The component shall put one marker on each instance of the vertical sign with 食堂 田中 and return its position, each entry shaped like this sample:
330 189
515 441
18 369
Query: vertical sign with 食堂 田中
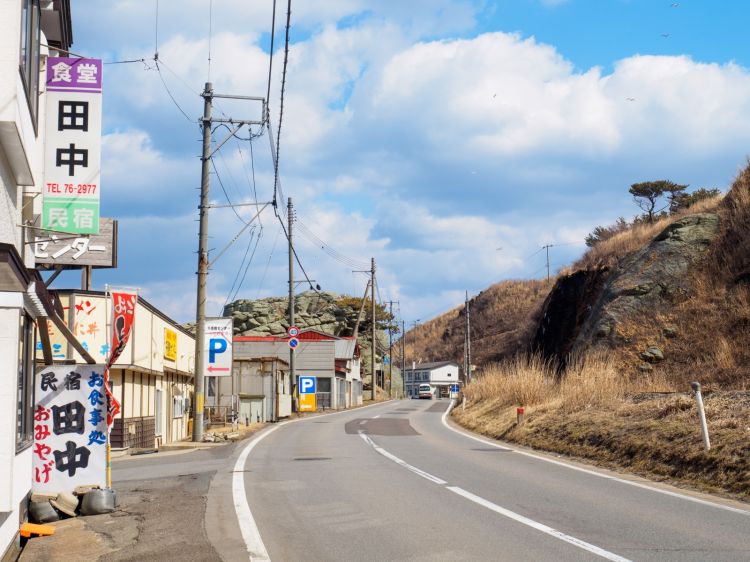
72 151
307 390
70 428
217 350
170 344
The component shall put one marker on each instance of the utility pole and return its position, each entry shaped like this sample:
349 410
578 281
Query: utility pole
468 340
200 327
290 222
547 247
203 264
390 350
372 354
403 358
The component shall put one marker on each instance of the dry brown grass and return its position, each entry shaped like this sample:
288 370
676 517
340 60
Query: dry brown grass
589 381
609 252
634 424
502 317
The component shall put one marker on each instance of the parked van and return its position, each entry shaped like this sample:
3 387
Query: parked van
425 391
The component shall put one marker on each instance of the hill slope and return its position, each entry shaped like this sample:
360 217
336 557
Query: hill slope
619 338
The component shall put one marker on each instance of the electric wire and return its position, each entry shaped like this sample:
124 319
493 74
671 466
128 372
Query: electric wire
270 58
351 263
210 34
268 263
223 189
169 93
296 257
281 99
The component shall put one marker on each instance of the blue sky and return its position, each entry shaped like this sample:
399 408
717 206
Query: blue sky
427 134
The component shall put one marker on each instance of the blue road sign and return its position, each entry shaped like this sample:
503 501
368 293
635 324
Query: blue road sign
293 342
307 385
454 388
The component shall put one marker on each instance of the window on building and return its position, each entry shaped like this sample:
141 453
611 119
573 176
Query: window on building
29 59
178 407
25 391
323 384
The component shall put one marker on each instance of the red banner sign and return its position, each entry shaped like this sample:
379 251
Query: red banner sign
123 316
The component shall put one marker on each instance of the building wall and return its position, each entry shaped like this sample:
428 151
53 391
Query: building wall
15 466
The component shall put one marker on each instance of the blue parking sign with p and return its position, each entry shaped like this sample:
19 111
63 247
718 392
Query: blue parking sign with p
307 385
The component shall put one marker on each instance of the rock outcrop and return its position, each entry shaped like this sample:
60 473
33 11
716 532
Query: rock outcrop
586 309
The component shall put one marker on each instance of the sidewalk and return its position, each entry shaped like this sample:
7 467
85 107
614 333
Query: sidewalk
156 518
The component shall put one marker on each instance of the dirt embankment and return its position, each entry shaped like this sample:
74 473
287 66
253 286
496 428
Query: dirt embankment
619 339
658 437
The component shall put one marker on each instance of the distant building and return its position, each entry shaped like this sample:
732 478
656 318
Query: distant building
440 375
258 390
334 361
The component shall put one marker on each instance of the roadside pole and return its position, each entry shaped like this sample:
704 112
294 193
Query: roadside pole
696 386
234 125
200 314
403 358
290 222
372 353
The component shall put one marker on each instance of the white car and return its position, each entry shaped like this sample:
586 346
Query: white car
425 391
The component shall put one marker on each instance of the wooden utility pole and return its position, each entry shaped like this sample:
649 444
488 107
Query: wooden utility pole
203 264
390 349
468 340
372 354
290 222
547 247
200 327
403 358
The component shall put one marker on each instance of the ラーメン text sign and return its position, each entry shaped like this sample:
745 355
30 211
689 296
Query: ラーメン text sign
217 347
72 151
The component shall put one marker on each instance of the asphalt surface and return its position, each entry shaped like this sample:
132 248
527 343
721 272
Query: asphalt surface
392 482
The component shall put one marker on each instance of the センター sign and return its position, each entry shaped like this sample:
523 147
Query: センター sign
72 251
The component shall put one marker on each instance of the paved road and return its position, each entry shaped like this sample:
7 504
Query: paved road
393 482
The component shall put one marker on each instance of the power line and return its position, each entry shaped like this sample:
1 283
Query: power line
268 263
270 55
223 189
338 256
169 93
281 102
296 257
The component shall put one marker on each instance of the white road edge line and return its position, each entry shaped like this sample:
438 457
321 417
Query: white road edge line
494 507
592 472
401 462
538 526
250 534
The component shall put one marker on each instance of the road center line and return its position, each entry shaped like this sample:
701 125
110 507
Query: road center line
494 507
401 462
590 472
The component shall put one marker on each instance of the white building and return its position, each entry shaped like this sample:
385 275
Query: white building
25 26
441 376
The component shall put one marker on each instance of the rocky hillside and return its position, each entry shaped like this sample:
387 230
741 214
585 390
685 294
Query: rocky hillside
325 311
670 297
320 311
503 319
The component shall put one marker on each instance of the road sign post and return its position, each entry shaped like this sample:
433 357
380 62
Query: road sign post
307 388
217 352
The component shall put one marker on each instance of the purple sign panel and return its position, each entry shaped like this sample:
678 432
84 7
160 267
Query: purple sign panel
68 74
